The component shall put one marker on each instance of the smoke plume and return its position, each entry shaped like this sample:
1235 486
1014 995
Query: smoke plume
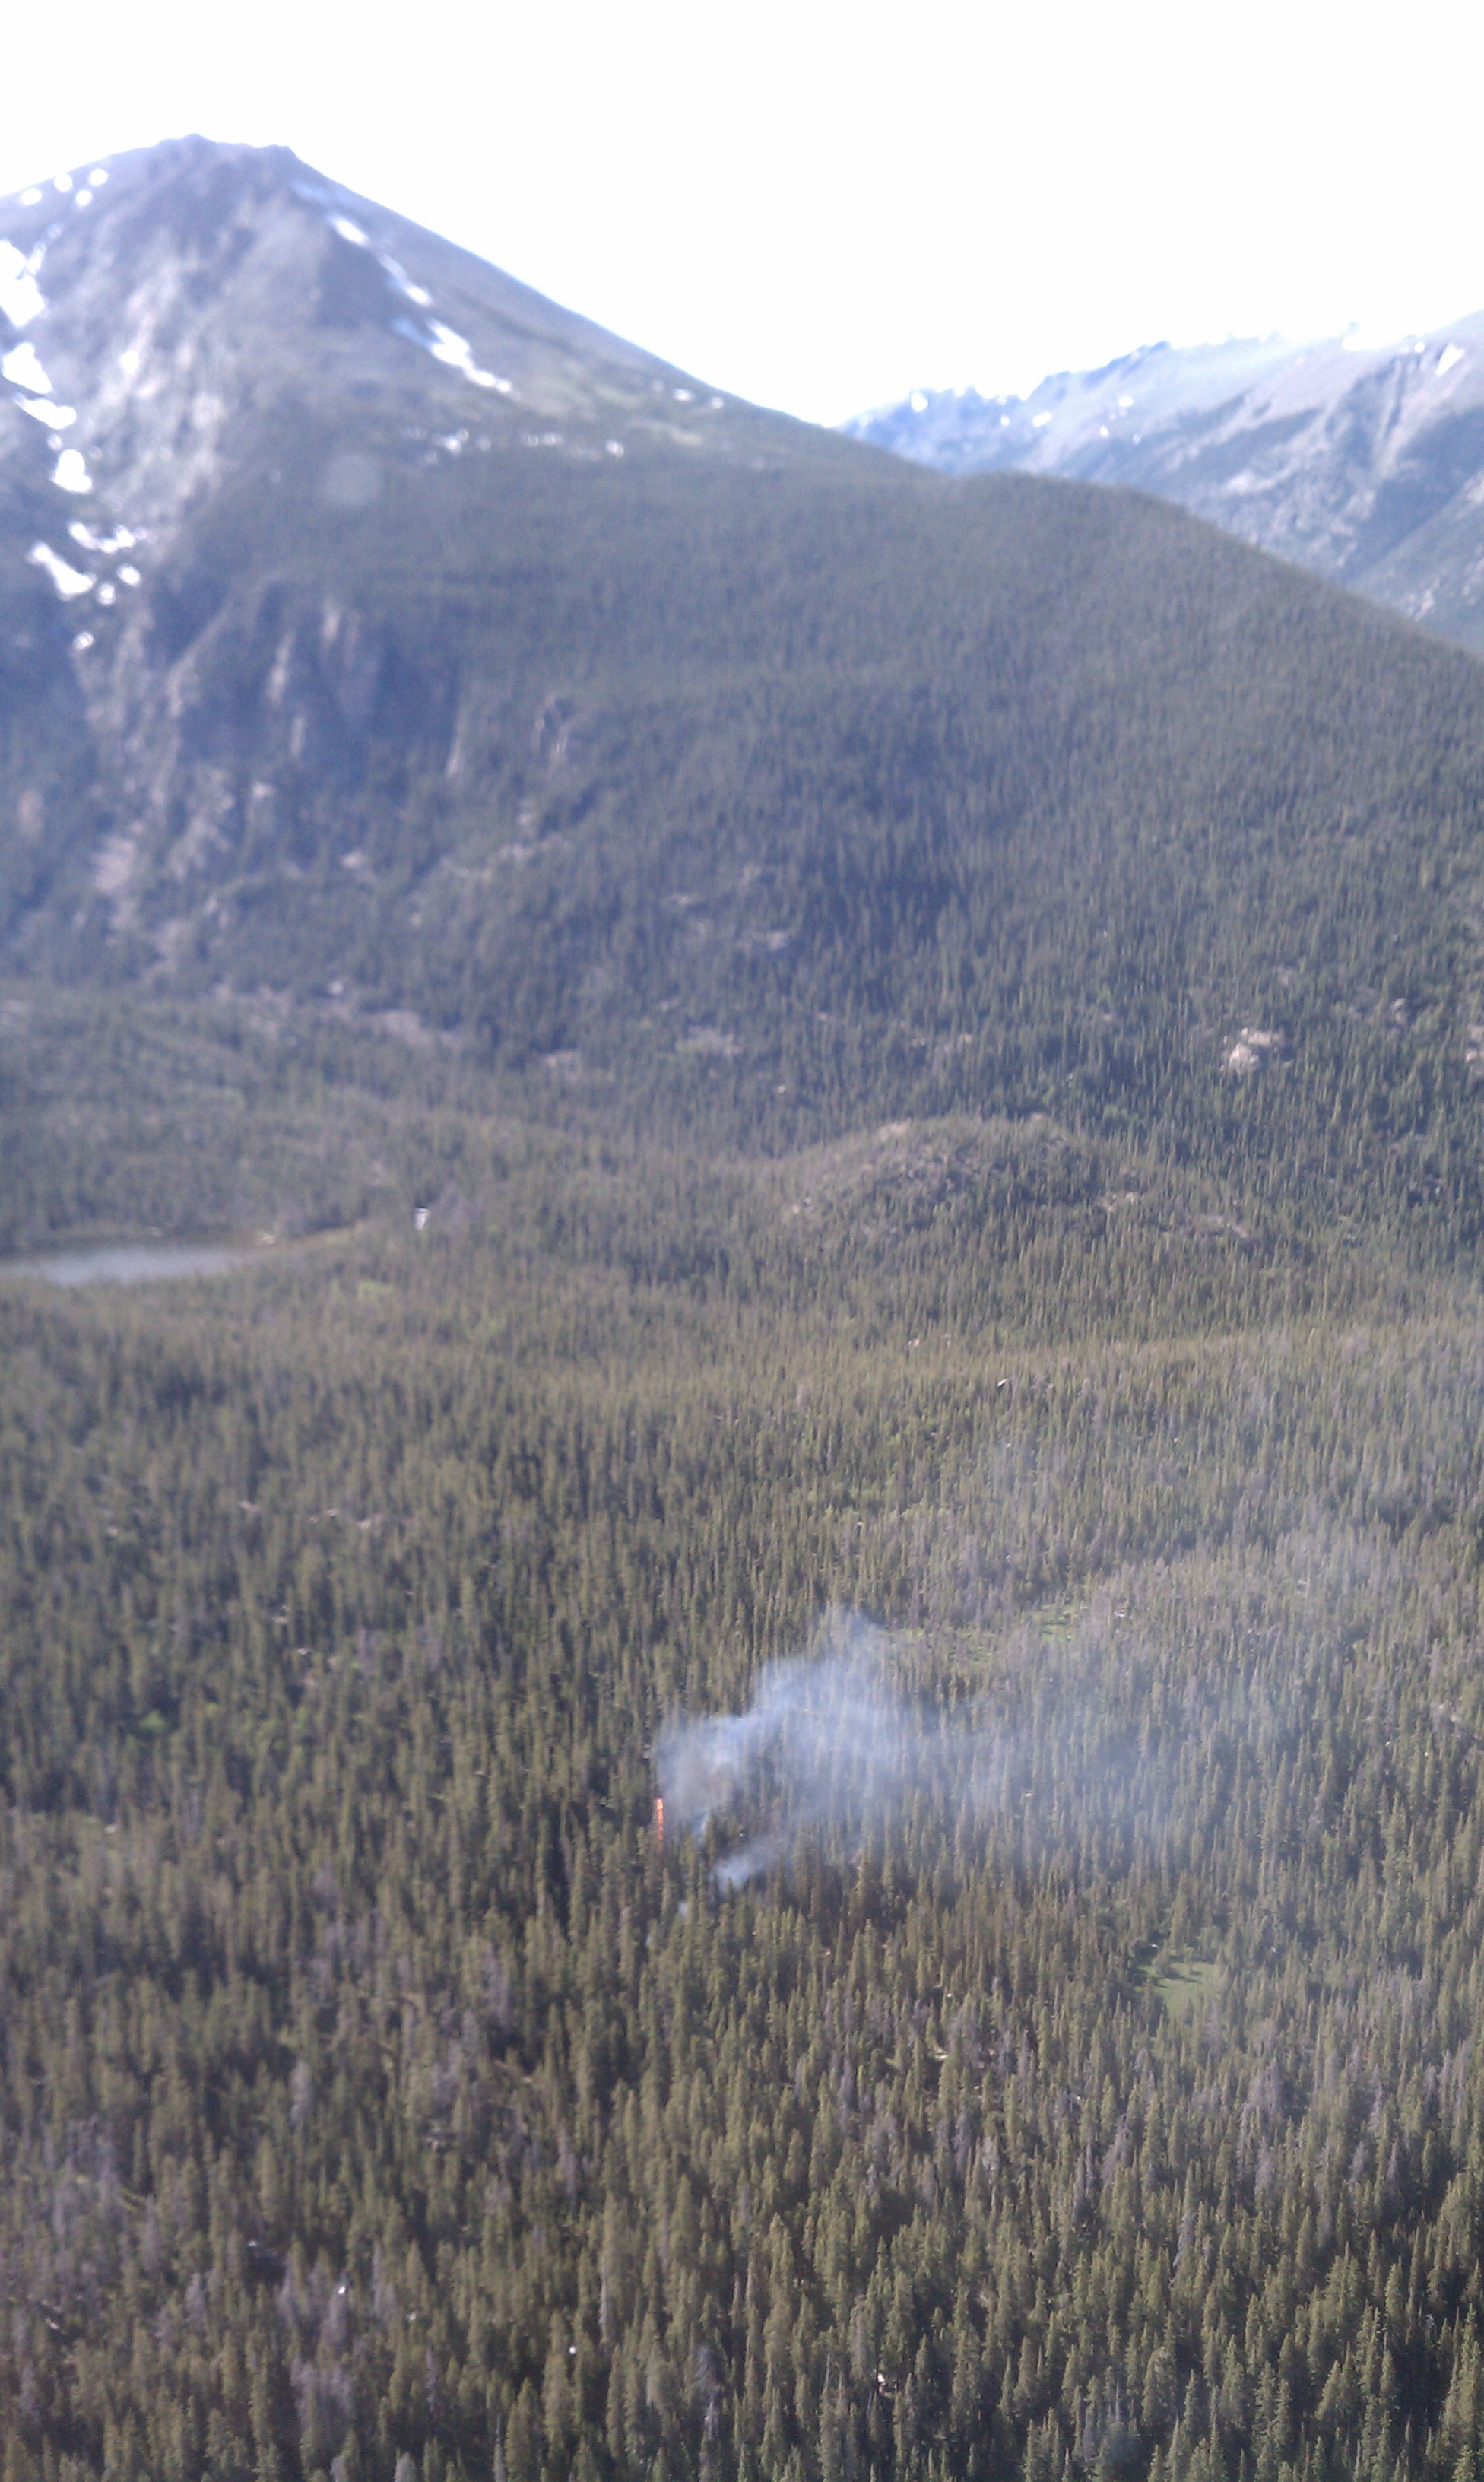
829 1747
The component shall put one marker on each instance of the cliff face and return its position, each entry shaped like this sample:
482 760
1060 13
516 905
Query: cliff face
236 397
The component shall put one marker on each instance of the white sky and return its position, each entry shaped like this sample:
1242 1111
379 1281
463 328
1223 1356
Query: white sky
822 206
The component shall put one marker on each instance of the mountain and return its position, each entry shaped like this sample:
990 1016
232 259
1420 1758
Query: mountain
418 652
1365 465
803 1038
235 391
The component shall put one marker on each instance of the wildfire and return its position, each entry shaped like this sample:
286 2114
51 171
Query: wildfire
659 1819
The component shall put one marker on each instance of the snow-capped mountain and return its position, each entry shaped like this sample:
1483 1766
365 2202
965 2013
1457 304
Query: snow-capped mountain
156 310
377 636
233 397
1367 466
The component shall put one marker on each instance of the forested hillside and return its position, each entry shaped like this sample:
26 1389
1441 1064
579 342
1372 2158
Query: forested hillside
589 714
764 1760
377 2085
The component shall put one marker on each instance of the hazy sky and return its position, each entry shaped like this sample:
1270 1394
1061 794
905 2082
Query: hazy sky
822 206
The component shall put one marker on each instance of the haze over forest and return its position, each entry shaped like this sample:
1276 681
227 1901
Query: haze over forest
756 1751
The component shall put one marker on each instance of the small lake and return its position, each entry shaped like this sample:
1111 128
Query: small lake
134 1262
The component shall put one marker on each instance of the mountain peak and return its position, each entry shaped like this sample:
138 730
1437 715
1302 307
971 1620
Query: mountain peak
378 634
241 411
189 284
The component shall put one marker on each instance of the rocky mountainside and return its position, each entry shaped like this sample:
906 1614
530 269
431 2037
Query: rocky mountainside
1366 465
227 384
375 637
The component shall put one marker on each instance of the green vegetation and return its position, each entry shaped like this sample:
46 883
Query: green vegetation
783 801
374 2087
1183 1981
855 1040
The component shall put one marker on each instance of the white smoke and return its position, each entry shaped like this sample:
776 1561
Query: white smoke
828 1746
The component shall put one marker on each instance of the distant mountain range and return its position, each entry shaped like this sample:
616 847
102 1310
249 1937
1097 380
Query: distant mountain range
377 637
1367 466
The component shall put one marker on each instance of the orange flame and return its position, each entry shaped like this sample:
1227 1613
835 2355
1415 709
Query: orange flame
659 1820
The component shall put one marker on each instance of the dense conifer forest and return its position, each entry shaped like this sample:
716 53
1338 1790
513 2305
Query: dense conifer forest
381 2097
856 1100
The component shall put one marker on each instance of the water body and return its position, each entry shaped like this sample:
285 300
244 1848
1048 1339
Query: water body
134 1262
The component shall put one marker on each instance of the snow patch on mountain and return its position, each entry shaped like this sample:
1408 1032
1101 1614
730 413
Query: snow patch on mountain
447 346
67 580
21 295
457 352
444 343
417 294
22 367
120 540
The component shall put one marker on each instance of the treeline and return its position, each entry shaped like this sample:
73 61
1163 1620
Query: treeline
375 2087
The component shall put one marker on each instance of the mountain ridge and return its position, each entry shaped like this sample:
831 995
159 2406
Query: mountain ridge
1365 464
210 313
750 774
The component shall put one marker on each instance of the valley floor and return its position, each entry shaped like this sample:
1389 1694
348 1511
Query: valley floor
1090 2082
